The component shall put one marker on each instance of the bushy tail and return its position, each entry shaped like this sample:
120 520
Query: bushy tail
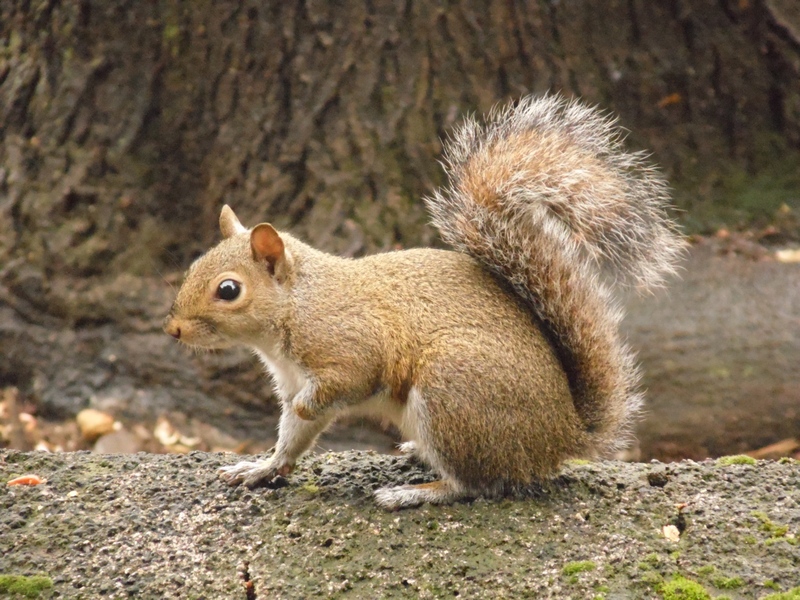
544 195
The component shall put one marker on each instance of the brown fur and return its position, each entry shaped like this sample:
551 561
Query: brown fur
498 362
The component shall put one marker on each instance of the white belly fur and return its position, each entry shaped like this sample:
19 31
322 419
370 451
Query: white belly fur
288 377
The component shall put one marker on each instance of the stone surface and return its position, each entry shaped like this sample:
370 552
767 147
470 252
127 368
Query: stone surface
164 526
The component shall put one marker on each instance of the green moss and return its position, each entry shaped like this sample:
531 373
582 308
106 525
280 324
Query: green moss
680 588
652 578
653 558
578 462
792 541
727 583
739 459
27 586
574 568
311 488
707 570
793 594
749 539
771 585
777 532
171 32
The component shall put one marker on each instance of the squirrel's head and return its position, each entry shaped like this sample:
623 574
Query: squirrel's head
236 293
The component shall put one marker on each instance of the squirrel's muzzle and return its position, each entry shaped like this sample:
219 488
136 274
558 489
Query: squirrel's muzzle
171 327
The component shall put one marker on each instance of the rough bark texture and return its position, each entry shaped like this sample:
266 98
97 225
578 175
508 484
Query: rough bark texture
150 526
124 125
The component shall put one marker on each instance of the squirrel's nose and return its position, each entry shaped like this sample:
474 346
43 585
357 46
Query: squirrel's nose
172 327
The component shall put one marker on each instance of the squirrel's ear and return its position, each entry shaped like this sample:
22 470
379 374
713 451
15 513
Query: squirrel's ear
266 245
229 225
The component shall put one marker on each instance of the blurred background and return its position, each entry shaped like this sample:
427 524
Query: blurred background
125 126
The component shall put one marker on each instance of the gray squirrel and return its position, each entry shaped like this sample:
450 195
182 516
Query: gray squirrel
496 361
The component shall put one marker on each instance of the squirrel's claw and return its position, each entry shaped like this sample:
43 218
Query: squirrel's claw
252 474
409 449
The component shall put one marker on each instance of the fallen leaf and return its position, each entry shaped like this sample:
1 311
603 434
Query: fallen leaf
671 532
788 256
94 423
669 100
27 480
172 439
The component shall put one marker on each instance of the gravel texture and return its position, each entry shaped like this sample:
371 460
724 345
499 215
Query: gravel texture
164 526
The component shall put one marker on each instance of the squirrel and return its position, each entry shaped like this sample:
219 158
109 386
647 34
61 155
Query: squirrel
496 361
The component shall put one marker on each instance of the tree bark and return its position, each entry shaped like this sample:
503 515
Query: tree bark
125 125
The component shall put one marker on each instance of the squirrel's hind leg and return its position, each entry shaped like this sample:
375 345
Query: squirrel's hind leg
415 424
444 491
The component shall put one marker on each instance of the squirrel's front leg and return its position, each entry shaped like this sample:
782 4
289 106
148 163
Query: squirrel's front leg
308 403
295 436
328 391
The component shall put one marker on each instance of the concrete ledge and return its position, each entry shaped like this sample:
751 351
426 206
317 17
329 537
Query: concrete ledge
163 526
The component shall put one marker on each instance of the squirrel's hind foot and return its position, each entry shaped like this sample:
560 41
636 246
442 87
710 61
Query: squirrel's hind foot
408 496
252 474
409 449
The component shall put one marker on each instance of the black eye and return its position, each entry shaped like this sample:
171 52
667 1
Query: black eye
229 290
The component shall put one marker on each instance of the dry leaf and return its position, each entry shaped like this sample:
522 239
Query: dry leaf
788 256
672 533
27 480
94 423
166 433
670 100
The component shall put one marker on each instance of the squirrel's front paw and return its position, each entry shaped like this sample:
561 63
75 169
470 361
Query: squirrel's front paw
253 474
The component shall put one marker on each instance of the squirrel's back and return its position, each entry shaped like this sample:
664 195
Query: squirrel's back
544 195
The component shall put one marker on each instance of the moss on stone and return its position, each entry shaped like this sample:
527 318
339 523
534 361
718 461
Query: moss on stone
793 594
653 558
738 459
310 488
777 532
573 568
727 583
652 578
681 588
750 540
27 586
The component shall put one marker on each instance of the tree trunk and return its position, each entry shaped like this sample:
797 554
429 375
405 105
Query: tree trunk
125 125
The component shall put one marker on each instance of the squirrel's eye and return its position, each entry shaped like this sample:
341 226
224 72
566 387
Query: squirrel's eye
229 290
